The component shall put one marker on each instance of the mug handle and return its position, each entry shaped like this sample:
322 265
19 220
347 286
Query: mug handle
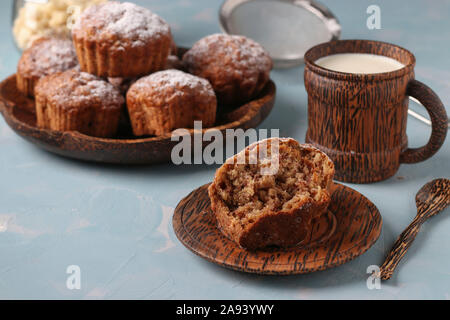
439 123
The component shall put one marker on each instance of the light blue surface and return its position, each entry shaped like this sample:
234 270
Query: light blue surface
115 222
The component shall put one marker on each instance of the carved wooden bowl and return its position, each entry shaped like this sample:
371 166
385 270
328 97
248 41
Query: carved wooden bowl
18 112
125 149
350 227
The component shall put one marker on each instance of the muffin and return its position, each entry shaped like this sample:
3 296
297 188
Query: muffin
238 68
123 84
170 99
45 56
121 40
256 207
78 101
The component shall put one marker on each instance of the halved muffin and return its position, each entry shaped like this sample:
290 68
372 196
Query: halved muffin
267 194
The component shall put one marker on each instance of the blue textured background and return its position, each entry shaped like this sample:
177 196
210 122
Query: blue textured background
115 222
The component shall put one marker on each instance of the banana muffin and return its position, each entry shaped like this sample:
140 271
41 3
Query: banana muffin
168 100
78 101
267 194
45 56
238 68
121 40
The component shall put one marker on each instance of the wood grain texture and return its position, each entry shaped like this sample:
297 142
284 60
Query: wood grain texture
125 149
431 199
439 123
359 120
358 226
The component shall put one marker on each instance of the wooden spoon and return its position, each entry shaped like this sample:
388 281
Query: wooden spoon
430 200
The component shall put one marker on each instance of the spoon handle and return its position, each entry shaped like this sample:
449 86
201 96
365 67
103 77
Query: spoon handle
400 248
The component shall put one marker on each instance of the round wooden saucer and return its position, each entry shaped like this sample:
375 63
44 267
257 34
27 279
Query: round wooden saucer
350 228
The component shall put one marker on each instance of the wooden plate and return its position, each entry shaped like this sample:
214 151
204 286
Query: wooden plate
125 149
351 227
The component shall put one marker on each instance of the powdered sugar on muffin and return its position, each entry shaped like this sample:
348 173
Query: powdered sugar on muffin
168 100
78 101
121 40
122 21
75 88
237 67
163 80
239 52
46 56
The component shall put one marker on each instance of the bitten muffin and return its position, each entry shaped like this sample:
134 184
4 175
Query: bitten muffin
171 99
238 68
257 209
121 40
78 101
45 56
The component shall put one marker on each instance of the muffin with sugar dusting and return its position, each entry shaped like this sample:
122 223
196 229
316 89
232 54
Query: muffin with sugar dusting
121 40
78 101
168 100
45 56
238 68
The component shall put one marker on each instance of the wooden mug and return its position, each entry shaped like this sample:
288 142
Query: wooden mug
359 120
